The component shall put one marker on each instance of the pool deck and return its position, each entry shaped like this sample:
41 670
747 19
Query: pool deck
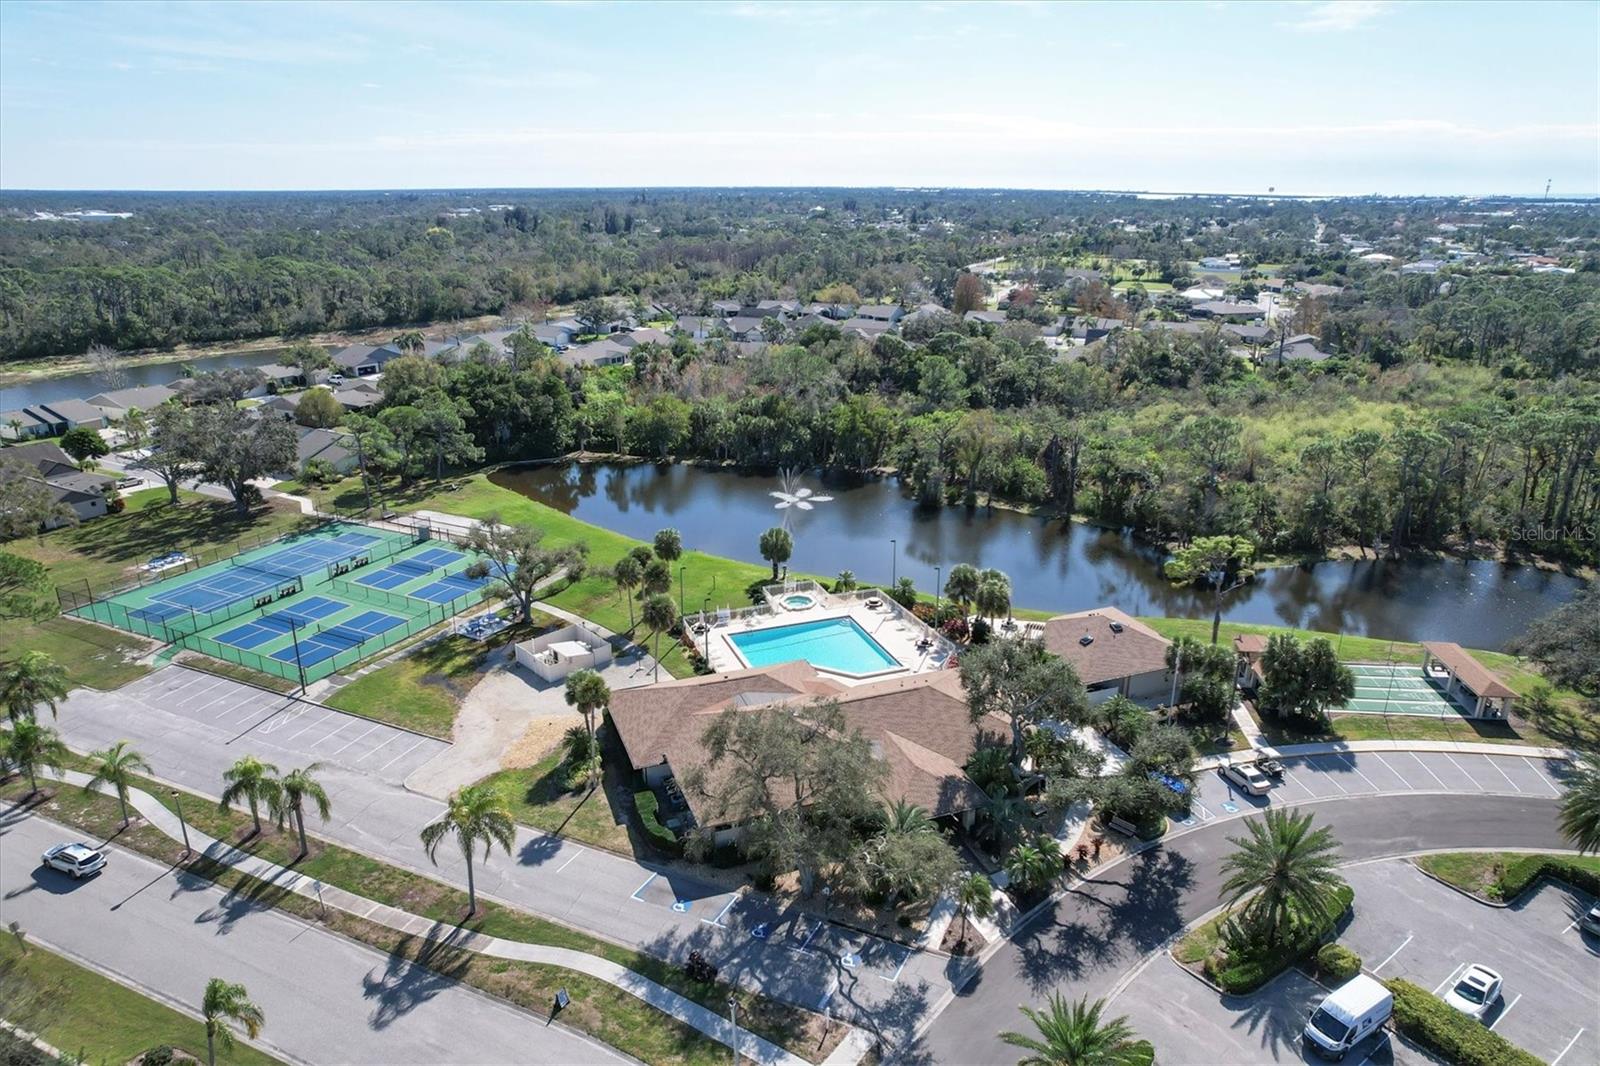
895 630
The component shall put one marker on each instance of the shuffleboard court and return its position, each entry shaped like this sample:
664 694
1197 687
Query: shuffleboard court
1398 688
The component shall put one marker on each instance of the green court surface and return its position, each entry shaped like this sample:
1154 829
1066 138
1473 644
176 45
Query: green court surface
1399 688
304 606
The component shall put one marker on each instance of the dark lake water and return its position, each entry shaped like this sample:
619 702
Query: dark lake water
83 386
1053 566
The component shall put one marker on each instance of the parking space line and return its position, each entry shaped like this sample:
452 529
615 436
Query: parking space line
1502 773
1557 1060
352 740
905 954
576 853
1392 770
1376 1047
1296 782
344 721
1428 770
373 751
1352 764
420 741
815 929
1459 967
308 725
644 886
1331 779
1390 957
1507 1011
717 919
1544 777
1463 769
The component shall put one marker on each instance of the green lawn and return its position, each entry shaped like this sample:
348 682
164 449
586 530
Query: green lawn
539 797
614 1016
103 551
1484 873
87 1015
94 655
423 689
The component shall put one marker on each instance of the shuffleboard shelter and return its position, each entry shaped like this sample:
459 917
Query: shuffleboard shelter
1466 680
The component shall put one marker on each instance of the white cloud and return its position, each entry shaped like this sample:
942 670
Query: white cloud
1337 16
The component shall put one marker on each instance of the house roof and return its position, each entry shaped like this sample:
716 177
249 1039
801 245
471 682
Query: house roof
1118 646
605 350
73 410
866 325
1304 346
919 726
1249 643
886 312
1472 673
143 397
1226 308
984 316
317 443
278 371
354 355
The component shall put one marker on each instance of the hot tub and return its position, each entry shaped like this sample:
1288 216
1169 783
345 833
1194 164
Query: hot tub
799 601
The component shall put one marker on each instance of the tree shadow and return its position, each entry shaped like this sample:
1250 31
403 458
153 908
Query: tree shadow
417 970
246 897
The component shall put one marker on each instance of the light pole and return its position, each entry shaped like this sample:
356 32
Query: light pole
705 613
177 800
733 1018
681 569
894 562
937 588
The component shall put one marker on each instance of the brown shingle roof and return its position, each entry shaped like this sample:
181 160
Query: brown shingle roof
1110 655
1476 676
1250 644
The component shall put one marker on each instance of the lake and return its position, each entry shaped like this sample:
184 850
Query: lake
83 386
1054 566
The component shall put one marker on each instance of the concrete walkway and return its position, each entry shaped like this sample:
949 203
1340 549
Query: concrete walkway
663 999
1454 747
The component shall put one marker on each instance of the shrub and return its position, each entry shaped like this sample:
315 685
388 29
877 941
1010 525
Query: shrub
1337 963
1521 874
925 612
1247 963
160 1055
1427 1019
980 631
649 808
956 629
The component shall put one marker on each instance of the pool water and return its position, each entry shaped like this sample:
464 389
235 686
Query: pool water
836 644
799 601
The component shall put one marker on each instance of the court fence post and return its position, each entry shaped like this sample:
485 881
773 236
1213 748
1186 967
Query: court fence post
294 635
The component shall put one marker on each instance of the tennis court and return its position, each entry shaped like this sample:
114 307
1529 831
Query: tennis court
270 627
1397 688
404 571
326 643
448 588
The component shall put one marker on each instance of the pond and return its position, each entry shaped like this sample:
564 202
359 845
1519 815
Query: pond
84 385
1054 566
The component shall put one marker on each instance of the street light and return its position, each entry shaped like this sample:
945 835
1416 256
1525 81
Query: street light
894 561
937 588
705 613
681 569
177 800
733 1018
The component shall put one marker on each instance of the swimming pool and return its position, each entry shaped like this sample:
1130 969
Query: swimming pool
836 644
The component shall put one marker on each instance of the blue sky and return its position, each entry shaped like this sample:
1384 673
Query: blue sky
1309 98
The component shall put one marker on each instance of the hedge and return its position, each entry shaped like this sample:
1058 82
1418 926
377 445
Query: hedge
1522 873
1237 977
649 808
1337 963
1428 1020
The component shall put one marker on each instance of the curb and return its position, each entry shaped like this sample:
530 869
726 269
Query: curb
1355 747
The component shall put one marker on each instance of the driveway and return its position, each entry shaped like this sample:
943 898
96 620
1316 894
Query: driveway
326 998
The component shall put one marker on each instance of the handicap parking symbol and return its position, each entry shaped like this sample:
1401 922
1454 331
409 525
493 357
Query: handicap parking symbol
1231 808
762 931
1187 819
850 960
681 906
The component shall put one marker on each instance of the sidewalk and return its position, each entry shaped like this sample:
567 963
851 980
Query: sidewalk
1211 762
663 999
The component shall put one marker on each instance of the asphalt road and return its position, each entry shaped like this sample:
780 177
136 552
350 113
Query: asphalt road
1096 933
326 999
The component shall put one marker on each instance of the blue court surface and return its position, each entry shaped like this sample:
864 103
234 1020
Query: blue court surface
270 627
246 578
327 643
447 588
404 571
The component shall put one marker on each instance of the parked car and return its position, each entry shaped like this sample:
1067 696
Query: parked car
1271 767
1590 922
1350 1013
129 481
78 859
1246 778
1476 992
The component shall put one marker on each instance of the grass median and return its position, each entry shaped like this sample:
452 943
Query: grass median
616 1017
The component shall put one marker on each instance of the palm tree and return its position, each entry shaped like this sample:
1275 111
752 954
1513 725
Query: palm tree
975 899
291 794
31 747
776 545
224 1003
588 691
845 582
475 813
993 597
659 613
1580 805
116 766
579 748
1289 866
669 544
1031 868
905 819
410 341
33 678
1074 1034
1003 815
252 780
962 585
627 573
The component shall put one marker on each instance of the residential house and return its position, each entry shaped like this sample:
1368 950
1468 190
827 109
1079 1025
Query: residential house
1302 347
698 327
890 313
358 395
869 328
1112 653
837 312
1311 288
775 308
50 419
329 445
555 334
118 402
726 308
1226 309
919 727
1421 266
86 493
284 405
364 360
993 318
1087 329
743 328
1247 673
603 352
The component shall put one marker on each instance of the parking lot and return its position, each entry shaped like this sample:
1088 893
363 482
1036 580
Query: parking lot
1404 924
220 720
1356 773
1408 925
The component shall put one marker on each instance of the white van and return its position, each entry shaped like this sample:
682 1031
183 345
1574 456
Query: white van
1351 1013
